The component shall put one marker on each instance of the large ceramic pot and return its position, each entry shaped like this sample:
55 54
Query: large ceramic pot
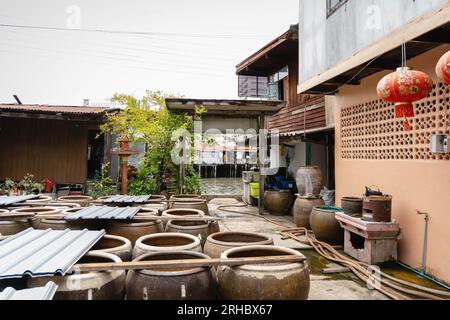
220 242
39 212
116 245
133 230
181 212
276 281
352 206
8 228
309 181
185 196
188 283
83 201
302 210
325 226
198 204
103 285
160 206
200 229
278 202
163 242
40 200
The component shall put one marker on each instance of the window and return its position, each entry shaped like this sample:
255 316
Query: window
276 84
252 86
334 5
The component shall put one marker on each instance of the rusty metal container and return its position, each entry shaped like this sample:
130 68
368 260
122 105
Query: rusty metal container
270 281
164 242
219 242
278 202
309 181
378 208
83 201
302 210
189 283
103 285
325 226
352 206
116 245
198 204
200 229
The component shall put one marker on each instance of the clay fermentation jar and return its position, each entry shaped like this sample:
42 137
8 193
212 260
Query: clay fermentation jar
198 204
309 181
81 200
164 242
40 200
187 283
352 206
102 285
160 206
116 245
302 210
200 229
270 281
325 226
39 211
278 202
185 196
10 227
133 230
219 242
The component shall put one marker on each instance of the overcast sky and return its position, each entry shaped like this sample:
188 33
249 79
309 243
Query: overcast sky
192 50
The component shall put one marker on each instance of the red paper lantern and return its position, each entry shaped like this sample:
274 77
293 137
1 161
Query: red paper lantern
443 68
403 87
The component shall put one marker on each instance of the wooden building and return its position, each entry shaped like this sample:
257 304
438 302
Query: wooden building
59 142
304 125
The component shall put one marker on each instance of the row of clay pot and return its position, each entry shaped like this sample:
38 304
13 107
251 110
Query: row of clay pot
251 282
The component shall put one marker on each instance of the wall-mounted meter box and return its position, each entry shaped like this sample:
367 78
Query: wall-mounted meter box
440 143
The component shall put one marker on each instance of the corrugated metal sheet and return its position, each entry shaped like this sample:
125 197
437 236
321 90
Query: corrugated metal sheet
41 293
104 212
52 109
44 252
127 199
6 200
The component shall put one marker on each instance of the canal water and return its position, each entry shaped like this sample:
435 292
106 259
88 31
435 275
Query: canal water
222 186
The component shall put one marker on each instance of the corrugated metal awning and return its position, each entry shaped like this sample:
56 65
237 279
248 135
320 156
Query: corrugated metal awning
8 200
104 212
48 252
127 199
41 293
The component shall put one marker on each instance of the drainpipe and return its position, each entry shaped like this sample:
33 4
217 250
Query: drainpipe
425 235
422 272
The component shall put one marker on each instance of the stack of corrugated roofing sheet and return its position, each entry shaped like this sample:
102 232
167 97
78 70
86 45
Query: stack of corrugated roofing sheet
104 212
41 293
44 252
7 200
127 199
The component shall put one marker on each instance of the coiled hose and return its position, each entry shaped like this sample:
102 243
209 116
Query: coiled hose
388 285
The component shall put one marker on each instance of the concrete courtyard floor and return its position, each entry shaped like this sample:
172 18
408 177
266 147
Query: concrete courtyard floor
342 286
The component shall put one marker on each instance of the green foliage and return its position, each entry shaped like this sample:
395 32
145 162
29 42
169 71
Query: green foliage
149 121
103 184
143 183
9 185
28 185
191 181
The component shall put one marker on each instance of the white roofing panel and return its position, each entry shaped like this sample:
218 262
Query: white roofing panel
44 252
41 293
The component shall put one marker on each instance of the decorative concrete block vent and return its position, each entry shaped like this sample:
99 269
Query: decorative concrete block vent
369 131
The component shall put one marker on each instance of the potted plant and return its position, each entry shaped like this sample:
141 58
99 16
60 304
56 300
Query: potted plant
10 187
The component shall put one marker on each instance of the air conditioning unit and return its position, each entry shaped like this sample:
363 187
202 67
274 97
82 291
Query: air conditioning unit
440 143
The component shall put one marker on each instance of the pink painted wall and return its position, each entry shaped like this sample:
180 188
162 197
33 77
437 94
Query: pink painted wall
414 184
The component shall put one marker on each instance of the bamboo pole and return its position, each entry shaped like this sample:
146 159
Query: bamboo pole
184 263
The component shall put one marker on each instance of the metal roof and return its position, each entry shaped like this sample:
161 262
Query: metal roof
54 109
41 293
8 200
48 252
127 199
104 212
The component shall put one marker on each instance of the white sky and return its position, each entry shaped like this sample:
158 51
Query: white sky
64 67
